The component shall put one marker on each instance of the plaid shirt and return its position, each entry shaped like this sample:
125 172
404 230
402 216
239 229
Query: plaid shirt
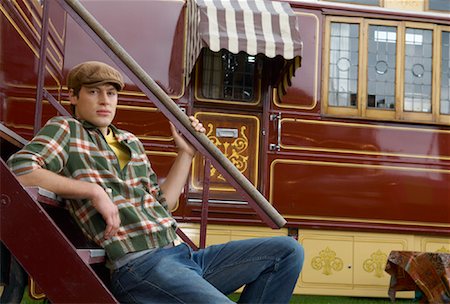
78 150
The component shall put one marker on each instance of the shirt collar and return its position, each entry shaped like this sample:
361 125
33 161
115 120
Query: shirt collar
121 136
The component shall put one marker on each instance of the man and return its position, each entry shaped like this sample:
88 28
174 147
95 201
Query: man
114 196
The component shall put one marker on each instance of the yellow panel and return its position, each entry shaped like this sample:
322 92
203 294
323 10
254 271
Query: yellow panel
370 259
429 244
328 260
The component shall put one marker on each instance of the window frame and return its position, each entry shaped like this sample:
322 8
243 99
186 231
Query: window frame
442 118
336 110
398 113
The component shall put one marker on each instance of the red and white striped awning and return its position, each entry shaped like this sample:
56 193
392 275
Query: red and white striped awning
252 26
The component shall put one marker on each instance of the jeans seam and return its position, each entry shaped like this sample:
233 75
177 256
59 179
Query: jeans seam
269 279
263 258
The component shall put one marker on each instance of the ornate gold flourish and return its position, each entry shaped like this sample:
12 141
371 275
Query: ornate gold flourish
327 261
377 263
233 151
443 250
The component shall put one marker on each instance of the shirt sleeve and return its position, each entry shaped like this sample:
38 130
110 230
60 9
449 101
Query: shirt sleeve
49 149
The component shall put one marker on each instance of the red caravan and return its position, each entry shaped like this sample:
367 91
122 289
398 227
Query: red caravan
352 147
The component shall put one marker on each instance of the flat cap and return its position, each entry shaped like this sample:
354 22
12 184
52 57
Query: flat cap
93 73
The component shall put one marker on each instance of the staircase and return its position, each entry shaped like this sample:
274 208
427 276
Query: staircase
63 265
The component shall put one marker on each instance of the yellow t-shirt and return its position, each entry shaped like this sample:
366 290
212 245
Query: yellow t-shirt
121 151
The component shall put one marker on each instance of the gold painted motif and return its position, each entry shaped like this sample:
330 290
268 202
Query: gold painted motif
233 151
376 263
327 261
443 250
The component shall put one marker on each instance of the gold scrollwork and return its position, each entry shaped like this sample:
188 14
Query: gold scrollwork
443 250
233 151
377 263
327 261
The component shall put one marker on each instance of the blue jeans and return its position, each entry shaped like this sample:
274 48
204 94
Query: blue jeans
268 267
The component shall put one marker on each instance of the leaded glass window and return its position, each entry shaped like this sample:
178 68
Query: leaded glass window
343 67
228 76
439 5
382 57
418 70
445 73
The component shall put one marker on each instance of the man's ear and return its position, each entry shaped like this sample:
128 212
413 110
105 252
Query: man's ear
72 98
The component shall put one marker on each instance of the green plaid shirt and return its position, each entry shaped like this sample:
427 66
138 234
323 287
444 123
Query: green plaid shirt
78 150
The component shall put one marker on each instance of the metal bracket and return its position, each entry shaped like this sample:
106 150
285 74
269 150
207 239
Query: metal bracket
277 117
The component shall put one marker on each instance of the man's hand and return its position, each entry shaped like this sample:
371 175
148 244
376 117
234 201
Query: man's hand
109 211
182 145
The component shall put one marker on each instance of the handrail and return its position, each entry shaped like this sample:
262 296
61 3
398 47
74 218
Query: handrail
170 109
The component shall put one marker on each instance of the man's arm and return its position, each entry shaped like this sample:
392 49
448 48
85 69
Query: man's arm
76 189
176 179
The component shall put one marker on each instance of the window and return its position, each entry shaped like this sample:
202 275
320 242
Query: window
439 5
381 67
387 70
343 76
445 73
228 76
417 74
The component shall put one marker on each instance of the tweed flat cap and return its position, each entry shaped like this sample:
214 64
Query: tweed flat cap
93 73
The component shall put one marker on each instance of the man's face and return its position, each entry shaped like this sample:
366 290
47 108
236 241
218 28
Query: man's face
96 105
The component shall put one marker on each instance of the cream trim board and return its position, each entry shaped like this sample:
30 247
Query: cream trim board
360 220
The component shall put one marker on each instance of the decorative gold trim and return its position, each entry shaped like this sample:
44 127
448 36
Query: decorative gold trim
443 250
36 53
361 220
351 165
161 153
328 261
27 42
33 294
376 263
365 152
37 33
231 189
316 73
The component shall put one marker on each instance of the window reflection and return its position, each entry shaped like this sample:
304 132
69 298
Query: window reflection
343 69
228 76
445 73
418 70
382 54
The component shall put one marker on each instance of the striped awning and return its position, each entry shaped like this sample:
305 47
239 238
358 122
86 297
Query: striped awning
251 26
